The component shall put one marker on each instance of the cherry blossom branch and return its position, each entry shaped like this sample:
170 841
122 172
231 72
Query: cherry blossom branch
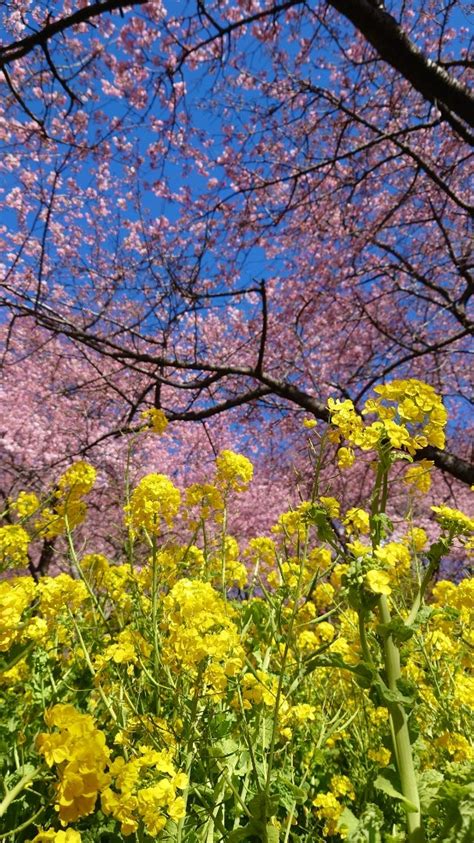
393 46
18 49
267 385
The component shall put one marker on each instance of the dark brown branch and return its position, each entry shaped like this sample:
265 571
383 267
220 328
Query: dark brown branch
263 336
19 49
449 463
393 46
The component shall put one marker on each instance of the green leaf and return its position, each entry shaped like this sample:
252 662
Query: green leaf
272 835
399 631
266 833
224 749
348 821
319 517
437 551
365 829
391 697
381 525
327 660
386 786
241 834
429 783
454 806
299 794
365 674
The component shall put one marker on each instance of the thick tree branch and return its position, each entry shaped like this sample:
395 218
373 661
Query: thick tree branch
19 49
393 46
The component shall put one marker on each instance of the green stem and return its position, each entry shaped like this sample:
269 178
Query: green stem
223 567
92 595
363 638
401 737
88 659
398 716
24 825
13 793
189 754
301 554
154 621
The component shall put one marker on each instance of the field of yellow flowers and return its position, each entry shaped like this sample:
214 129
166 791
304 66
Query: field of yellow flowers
315 685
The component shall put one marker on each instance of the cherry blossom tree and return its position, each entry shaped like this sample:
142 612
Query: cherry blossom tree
231 211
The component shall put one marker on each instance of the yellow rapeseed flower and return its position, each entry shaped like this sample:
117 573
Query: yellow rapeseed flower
51 836
77 480
25 504
410 415
357 520
14 541
155 420
81 755
453 520
153 501
378 581
345 457
419 475
233 471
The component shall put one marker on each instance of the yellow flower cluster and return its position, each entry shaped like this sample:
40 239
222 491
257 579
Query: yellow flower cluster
345 457
261 552
15 596
201 634
331 505
57 519
95 566
145 790
356 520
380 756
128 648
416 539
25 504
154 500
387 564
378 581
14 541
418 404
294 523
67 510
456 745
395 558
57 594
225 565
454 521
410 415
329 808
77 480
50 836
204 501
259 687
80 753
309 640
155 420
233 471
419 476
